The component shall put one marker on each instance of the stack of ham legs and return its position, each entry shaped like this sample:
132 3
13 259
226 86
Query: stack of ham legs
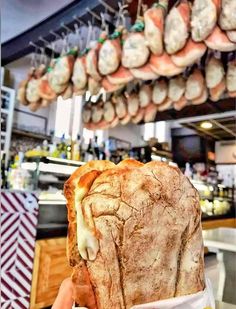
155 53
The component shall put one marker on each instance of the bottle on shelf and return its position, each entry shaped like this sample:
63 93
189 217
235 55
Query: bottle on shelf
89 154
102 154
62 147
96 148
76 149
69 150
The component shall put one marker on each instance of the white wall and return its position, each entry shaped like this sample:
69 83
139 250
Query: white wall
18 16
130 133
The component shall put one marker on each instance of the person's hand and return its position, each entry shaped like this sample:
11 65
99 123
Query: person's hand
64 299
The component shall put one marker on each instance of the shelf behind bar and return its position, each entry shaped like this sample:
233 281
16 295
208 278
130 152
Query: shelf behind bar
31 134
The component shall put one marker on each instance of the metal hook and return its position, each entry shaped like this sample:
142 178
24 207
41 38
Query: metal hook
56 35
76 27
93 14
79 20
90 27
34 45
43 40
37 48
66 28
108 7
104 24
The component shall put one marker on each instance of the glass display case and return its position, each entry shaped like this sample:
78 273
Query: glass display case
47 178
217 201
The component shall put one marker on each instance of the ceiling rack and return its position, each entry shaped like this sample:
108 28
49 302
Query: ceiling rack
18 46
208 108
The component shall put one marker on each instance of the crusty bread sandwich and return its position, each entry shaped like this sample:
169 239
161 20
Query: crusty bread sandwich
134 234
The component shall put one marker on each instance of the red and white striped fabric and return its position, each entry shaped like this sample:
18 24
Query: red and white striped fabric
19 216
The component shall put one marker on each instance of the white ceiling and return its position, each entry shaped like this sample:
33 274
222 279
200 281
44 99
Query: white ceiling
19 15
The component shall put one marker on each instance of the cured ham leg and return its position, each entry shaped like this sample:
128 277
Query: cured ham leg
165 105
79 92
227 18
190 54
34 106
231 35
45 90
160 91
176 88
63 68
164 66
125 120
154 26
109 56
32 87
92 58
217 92
133 104
67 94
150 113
139 117
54 78
109 111
101 125
177 26
87 114
21 92
231 76
145 95
135 53
97 113
218 40
144 73
121 76
93 86
114 122
121 107
79 76
232 94
32 93
109 87
194 85
180 104
45 103
202 98
203 18
214 72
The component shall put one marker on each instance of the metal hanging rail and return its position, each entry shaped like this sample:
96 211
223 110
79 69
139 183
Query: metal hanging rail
18 46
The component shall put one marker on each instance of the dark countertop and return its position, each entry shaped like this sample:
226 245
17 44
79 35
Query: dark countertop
51 230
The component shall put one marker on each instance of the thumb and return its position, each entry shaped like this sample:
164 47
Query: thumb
64 299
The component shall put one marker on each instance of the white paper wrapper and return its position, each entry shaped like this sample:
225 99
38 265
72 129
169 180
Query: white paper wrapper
200 300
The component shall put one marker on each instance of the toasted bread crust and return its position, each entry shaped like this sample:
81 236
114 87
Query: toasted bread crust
147 220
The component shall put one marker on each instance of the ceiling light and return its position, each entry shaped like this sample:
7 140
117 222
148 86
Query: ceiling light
206 125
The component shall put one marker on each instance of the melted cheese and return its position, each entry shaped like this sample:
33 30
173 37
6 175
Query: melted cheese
87 243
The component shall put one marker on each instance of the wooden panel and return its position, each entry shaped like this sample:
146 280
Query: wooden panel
212 224
50 269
